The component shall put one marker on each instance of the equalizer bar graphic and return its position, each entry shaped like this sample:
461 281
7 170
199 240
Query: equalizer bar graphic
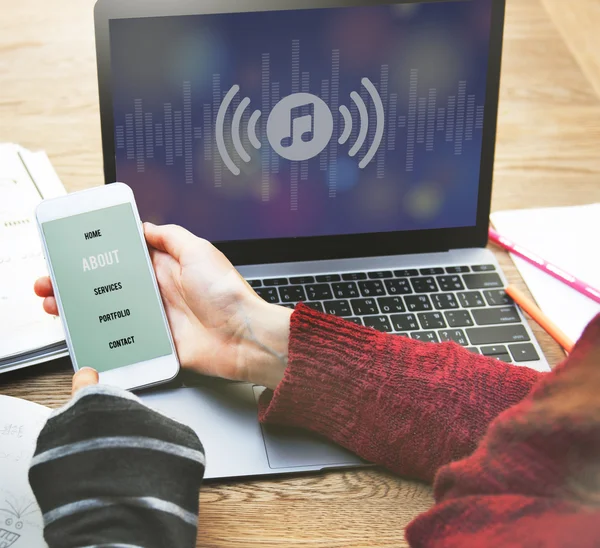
314 121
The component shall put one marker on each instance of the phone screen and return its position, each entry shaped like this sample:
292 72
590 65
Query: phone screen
111 308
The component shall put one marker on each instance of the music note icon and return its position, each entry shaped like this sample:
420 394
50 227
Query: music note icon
302 126
298 136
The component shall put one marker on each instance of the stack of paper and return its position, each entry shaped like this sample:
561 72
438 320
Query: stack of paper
28 335
567 237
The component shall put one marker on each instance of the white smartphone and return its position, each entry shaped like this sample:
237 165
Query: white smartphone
105 287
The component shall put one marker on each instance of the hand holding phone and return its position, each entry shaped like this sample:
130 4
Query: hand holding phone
105 287
219 325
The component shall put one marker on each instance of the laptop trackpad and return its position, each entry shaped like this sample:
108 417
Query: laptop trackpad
224 417
293 448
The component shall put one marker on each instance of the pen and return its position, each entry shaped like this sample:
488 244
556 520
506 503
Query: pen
531 308
545 266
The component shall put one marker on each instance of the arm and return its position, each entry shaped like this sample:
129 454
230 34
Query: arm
409 406
108 470
222 328
535 477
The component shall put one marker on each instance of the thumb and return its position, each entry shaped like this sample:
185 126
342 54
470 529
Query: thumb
171 239
84 377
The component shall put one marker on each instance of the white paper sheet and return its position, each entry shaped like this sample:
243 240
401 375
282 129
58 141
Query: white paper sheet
569 238
21 524
24 326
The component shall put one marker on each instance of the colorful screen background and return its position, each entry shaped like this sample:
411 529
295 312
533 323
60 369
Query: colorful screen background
428 62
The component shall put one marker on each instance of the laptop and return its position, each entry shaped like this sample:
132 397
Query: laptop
339 152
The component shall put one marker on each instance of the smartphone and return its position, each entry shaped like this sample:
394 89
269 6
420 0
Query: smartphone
105 287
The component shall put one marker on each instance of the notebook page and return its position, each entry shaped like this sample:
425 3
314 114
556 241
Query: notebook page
567 237
21 523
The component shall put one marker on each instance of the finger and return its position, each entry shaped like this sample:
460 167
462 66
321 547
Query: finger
167 268
171 239
43 287
50 306
84 377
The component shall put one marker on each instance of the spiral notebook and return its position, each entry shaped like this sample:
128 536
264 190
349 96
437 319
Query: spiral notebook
28 336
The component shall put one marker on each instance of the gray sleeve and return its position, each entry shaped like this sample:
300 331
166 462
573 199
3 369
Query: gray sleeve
108 470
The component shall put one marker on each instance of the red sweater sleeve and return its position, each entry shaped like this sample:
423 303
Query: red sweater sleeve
532 480
409 406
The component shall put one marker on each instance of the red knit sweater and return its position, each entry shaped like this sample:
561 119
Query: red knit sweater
515 454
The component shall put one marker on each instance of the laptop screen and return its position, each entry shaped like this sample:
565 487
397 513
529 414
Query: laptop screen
300 123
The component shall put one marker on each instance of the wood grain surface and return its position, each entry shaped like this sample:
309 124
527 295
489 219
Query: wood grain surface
548 154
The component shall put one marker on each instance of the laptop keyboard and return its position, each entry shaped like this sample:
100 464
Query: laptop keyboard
464 304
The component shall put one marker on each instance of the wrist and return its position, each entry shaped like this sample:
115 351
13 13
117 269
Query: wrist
264 343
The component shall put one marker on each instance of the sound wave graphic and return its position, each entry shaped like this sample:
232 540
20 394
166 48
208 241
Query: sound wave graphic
300 126
235 130
364 123
376 125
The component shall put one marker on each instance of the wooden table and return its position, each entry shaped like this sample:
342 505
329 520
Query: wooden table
548 155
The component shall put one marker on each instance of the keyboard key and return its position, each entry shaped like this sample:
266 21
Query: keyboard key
497 334
418 303
289 305
357 321
524 352
292 294
482 281
450 283
315 306
493 316
405 273
424 285
502 358
404 322
354 277
302 280
459 318
471 299
275 281
255 283
497 297
364 307
432 320
338 308
497 350
473 349
320 292
381 323
381 275
390 305
431 271
327 278
457 269
371 289
347 290
268 294
444 301
398 287
425 336
456 335
484 268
